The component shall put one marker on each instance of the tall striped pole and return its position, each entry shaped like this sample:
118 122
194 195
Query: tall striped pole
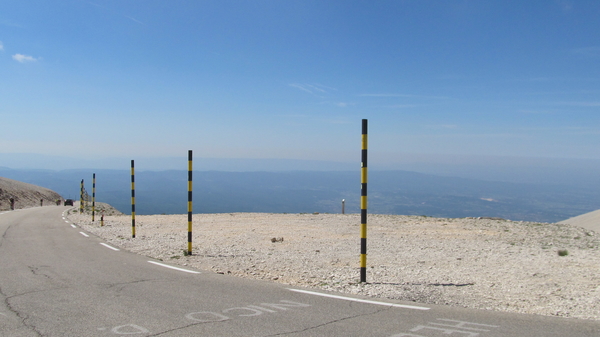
93 196
81 198
132 201
363 205
190 202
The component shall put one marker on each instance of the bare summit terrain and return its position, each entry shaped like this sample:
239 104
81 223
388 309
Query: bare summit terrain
25 195
484 263
495 264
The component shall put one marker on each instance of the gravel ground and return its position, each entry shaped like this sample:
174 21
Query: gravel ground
474 263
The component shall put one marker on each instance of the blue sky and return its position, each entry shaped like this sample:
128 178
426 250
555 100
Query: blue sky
293 79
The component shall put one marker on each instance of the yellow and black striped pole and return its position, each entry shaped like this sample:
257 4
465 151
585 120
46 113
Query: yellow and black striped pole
81 198
132 201
363 205
190 202
93 196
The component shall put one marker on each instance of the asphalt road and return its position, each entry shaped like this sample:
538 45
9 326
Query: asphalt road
57 280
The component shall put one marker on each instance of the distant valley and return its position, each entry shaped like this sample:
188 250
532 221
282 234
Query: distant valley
389 192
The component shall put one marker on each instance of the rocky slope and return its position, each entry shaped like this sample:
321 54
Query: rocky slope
25 195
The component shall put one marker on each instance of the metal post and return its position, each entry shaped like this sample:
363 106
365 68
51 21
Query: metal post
343 206
93 196
190 202
132 201
81 198
363 205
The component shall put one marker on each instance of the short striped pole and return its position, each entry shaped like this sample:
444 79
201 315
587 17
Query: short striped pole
363 205
190 202
93 196
81 198
132 201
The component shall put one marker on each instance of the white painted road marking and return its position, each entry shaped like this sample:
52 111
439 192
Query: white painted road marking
82 233
73 226
128 329
211 316
464 325
107 246
359 300
176 268
461 327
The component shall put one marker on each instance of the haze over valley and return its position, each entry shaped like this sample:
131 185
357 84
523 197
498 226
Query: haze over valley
390 192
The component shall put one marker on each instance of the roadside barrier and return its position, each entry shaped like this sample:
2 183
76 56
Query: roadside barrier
363 205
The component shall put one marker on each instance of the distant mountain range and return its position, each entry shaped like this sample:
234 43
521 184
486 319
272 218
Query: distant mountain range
390 192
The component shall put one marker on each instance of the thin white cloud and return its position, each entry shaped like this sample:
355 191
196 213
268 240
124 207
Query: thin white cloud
404 96
384 95
587 51
325 87
1 46
134 19
536 79
584 104
301 87
337 103
565 5
535 112
9 24
344 104
95 4
24 58
314 89
113 12
442 126
403 106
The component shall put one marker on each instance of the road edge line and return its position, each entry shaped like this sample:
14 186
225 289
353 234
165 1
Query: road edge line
360 300
176 268
109 246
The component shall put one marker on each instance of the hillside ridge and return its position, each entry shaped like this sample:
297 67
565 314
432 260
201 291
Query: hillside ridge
25 195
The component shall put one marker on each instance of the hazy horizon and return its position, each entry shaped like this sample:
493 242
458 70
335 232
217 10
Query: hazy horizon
559 171
391 192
